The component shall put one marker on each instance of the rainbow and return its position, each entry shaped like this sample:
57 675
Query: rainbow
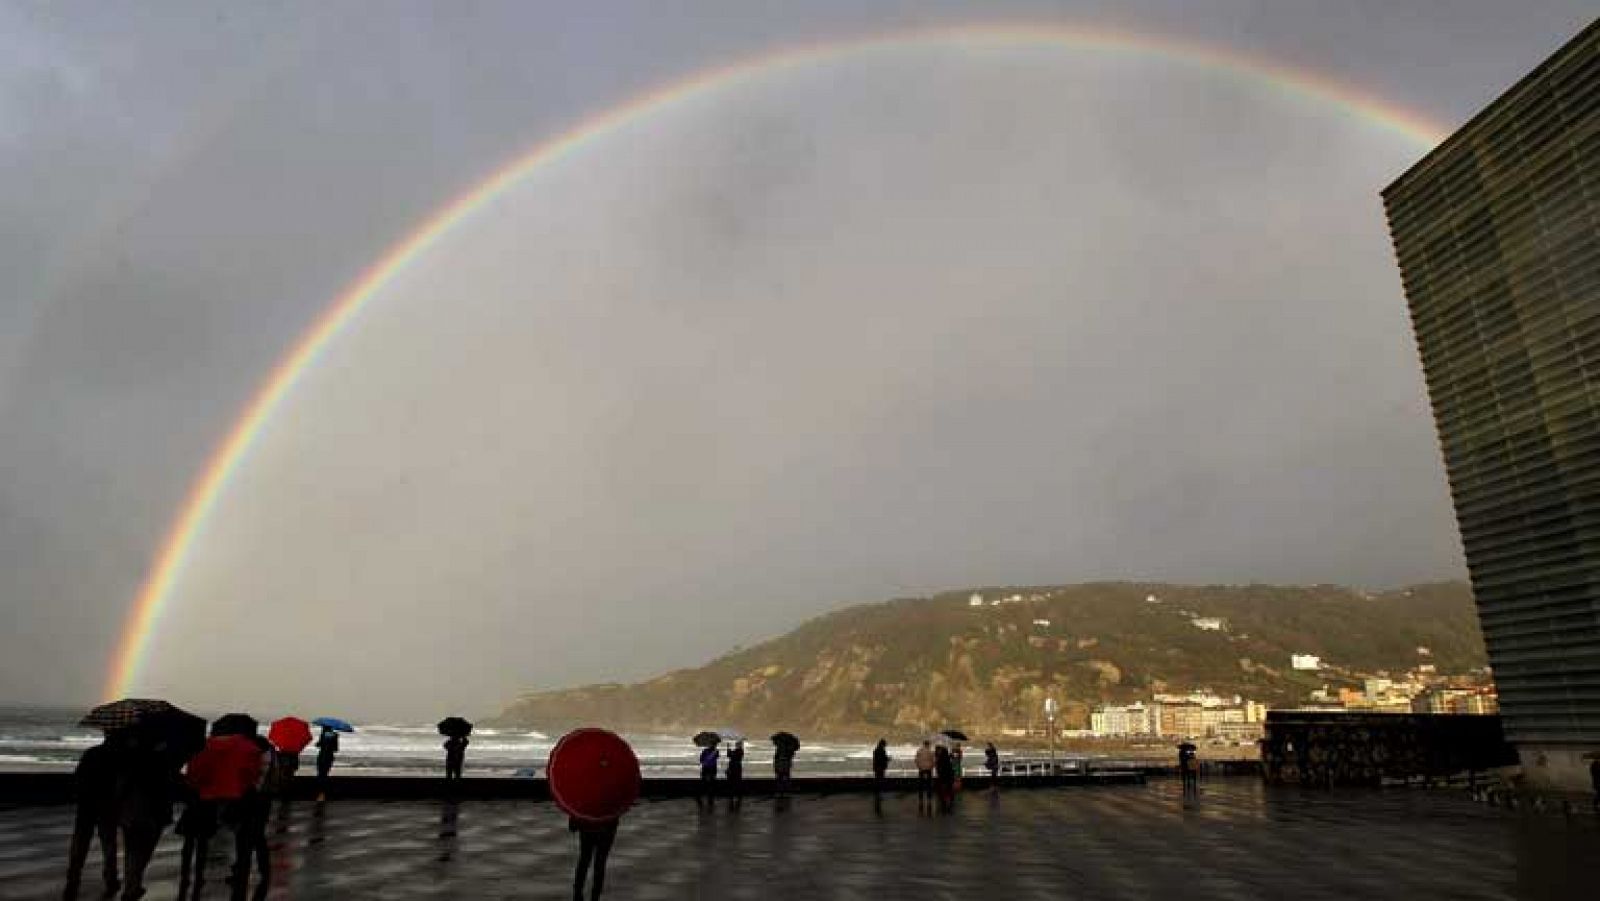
227 457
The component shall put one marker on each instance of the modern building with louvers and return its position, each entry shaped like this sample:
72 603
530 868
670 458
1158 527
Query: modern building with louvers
1497 232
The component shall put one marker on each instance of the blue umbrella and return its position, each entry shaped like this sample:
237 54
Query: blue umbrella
334 723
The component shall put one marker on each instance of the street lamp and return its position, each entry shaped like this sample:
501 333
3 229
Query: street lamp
1050 720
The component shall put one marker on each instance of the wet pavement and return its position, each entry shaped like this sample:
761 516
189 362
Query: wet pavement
1238 839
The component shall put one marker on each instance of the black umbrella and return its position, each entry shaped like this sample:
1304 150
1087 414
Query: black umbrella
234 724
786 740
1186 746
173 732
455 727
706 739
955 735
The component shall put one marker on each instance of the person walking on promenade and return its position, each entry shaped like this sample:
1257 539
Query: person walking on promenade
782 767
96 783
709 755
249 815
925 761
594 846
944 768
455 755
880 764
327 749
148 785
991 762
736 771
956 764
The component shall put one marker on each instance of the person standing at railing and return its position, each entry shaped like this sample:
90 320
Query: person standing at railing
945 770
991 762
880 764
925 760
736 771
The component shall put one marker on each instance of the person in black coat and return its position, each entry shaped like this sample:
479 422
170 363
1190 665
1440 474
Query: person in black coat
455 755
96 780
880 764
944 772
594 846
736 771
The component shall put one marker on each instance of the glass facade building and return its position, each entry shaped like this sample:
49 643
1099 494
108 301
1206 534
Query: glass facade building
1497 233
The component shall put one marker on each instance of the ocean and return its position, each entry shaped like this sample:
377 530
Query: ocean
41 739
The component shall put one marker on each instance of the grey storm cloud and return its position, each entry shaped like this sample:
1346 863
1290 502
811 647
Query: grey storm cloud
888 323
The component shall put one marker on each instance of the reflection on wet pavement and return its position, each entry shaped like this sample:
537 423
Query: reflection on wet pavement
1237 840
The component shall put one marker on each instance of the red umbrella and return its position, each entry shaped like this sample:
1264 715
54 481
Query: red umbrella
593 775
226 768
290 734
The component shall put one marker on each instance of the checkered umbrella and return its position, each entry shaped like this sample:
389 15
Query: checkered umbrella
126 712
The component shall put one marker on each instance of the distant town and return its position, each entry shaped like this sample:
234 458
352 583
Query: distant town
1234 719
1201 714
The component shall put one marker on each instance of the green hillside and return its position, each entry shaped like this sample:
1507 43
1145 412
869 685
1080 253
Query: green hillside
907 665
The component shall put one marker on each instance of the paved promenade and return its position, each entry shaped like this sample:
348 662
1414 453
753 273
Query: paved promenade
1237 840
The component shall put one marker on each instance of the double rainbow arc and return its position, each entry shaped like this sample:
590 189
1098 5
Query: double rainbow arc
225 460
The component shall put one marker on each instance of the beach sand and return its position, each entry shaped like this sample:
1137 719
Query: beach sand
1239 839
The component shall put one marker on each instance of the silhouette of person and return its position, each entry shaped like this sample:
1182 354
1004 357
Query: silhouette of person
991 762
594 846
327 749
708 773
288 765
455 755
1189 768
249 814
96 782
197 825
925 761
148 784
944 769
782 767
880 764
736 771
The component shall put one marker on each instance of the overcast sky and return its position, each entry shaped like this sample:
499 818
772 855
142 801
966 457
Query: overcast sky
892 322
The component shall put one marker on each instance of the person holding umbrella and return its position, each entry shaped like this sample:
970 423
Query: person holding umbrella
1189 768
785 746
594 778
709 756
945 775
289 735
328 747
455 729
150 741
220 777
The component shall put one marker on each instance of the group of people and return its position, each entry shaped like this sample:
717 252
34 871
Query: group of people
710 756
130 783
940 768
